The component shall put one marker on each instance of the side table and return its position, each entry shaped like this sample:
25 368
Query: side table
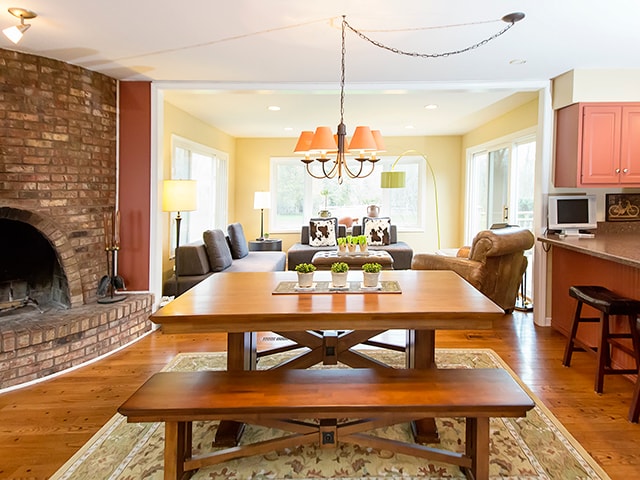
268 244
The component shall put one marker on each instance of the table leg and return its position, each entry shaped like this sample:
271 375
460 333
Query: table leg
241 355
420 353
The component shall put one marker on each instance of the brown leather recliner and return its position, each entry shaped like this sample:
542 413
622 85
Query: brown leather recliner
495 263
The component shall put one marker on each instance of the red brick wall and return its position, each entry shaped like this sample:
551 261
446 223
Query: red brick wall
58 152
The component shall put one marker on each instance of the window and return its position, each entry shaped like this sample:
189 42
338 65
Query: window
296 196
193 161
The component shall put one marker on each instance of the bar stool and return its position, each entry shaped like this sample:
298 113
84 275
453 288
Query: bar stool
608 303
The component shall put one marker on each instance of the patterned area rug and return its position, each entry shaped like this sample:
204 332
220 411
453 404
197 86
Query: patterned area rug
535 447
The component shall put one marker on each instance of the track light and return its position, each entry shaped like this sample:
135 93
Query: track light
16 32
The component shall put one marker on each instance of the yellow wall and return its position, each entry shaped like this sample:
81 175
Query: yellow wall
178 122
252 163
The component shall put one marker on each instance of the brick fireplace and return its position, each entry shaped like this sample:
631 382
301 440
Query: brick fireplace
58 172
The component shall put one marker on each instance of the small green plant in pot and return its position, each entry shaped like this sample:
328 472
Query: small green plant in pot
352 243
305 274
362 241
342 244
339 272
371 274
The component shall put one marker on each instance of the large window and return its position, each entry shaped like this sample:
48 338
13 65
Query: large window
193 161
296 196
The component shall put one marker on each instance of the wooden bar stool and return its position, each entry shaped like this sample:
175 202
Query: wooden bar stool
608 303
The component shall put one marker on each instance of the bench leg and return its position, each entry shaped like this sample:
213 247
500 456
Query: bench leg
477 447
177 446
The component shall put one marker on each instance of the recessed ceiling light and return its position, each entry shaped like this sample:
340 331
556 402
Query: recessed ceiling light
288 129
274 108
518 61
409 127
431 106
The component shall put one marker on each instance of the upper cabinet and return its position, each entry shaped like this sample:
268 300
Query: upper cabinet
598 145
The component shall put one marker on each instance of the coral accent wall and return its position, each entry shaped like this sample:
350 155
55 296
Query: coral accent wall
135 183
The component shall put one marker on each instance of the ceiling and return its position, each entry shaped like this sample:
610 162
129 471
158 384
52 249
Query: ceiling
226 62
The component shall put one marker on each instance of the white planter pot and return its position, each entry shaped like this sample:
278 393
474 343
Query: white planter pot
305 280
339 279
370 279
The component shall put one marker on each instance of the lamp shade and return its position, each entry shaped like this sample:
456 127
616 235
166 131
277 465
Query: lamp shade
15 33
323 141
377 136
179 195
362 140
392 179
304 142
262 200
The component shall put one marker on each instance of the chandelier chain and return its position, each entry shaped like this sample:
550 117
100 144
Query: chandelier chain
426 55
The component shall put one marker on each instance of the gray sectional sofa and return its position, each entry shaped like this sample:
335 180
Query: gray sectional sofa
302 252
217 253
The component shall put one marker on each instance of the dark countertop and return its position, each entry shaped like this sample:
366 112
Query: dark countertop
623 247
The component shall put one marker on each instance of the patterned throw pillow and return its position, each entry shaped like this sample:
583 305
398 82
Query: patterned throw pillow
322 232
377 230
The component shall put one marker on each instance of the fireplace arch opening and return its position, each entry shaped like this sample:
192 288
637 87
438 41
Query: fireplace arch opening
30 268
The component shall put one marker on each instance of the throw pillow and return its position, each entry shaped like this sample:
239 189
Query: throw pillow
217 250
237 241
377 230
322 232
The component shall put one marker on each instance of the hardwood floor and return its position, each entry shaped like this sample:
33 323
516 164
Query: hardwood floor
41 426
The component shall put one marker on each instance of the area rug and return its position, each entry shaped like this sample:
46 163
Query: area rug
534 447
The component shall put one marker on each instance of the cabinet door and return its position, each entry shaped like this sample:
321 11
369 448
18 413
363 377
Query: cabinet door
601 130
630 146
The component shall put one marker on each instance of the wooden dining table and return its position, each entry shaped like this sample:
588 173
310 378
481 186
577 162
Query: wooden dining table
329 324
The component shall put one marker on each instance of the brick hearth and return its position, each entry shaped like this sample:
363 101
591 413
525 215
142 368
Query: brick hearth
34 345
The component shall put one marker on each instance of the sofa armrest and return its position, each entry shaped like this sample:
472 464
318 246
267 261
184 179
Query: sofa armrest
470 270
192 259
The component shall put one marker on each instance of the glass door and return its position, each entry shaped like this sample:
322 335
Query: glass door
500 193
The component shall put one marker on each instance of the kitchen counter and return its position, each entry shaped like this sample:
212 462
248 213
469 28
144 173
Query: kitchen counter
623 248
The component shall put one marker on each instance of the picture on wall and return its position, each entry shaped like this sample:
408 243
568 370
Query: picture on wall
622 207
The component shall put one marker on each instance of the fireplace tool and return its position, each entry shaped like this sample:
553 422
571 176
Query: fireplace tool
108 283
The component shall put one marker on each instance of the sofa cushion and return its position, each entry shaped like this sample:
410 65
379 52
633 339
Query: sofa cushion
322 232
192 259
377 230
237 241
217 250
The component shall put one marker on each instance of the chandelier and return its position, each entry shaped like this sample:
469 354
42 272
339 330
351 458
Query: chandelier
365 143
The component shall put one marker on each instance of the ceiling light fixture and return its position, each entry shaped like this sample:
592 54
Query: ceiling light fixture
366 142
16 32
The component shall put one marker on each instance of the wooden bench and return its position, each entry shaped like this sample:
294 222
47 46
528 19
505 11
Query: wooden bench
284 398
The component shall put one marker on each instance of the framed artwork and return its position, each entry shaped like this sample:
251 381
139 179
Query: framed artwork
622 207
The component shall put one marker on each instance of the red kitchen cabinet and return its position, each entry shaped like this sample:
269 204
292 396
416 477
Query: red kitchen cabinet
598 145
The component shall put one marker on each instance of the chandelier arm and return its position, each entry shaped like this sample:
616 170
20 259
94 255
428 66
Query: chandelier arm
313 175
428 55
332 172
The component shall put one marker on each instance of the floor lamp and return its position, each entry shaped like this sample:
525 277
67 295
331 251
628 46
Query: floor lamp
178 196
261 200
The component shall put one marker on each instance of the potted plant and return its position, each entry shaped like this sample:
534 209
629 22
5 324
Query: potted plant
351 243
305 274
371 274
362 241
339 272
342 244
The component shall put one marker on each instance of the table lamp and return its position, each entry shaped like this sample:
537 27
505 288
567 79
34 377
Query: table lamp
261 200
179 196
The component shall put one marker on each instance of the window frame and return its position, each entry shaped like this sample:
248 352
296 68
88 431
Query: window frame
384 164
218 186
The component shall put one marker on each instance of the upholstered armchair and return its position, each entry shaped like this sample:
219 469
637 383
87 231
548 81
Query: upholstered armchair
494 263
